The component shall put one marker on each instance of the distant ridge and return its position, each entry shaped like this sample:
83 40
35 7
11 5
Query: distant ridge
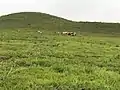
38 20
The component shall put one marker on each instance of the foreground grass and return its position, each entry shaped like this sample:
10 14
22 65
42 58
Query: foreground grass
34 61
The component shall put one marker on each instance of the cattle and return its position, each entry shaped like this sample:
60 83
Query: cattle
69 33
39 31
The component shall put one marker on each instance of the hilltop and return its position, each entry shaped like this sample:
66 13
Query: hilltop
33 20
50 22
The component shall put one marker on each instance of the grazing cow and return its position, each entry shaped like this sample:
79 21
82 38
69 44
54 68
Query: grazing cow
39 31
69 33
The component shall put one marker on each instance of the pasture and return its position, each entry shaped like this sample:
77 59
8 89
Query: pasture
48 61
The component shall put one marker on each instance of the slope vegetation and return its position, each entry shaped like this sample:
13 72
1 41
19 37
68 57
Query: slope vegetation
49 22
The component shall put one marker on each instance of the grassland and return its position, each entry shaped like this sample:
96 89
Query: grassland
48 61
31 61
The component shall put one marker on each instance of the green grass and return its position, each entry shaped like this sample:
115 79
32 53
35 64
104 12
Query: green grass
46 22
34 61
48 61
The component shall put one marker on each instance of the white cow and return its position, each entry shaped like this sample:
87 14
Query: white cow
39 31
69 33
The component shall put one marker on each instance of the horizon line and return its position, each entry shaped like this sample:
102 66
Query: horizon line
91 21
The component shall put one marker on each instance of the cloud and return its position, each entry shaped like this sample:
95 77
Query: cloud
16 1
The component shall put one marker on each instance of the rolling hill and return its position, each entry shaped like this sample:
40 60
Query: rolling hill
49 22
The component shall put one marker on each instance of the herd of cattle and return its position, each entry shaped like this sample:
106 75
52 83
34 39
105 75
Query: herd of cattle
68 33
64 33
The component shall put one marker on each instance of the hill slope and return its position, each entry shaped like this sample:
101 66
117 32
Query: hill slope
33 20
49 22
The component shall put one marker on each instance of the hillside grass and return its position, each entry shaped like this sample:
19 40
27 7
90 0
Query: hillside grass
48 61
46 22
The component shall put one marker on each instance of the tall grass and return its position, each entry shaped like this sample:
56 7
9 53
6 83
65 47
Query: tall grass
33 61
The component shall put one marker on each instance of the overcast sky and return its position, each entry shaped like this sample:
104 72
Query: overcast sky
77 10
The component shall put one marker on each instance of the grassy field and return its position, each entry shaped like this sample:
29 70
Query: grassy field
48 61
33 61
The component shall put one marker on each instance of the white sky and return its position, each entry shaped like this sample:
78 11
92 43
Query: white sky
77 10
